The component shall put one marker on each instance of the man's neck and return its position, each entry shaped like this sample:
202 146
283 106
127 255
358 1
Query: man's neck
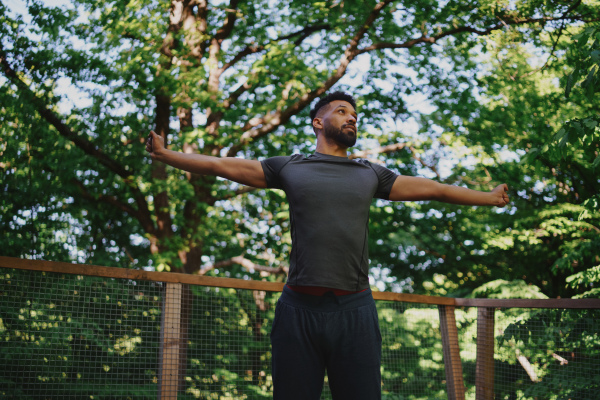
332 149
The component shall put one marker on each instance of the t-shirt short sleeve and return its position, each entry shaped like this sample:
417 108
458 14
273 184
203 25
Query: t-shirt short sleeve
386 181
271 167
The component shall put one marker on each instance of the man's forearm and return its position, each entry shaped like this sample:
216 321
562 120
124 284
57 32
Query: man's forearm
195 163
246 172
410 188
460 195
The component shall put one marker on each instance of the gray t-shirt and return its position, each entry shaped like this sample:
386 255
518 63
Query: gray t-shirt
329 199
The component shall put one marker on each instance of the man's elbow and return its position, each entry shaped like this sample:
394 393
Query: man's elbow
439 192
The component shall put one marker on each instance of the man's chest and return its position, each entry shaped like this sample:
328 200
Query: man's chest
330 185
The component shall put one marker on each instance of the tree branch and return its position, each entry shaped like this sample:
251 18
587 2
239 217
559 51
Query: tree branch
240 191
390 148
558 36
573 7
199 46
250 49
141 216
423 163
55 121
484 181
267 124
273 120
244 262
214 117
142 213
253 48
214 72
463 29
181 11
262 126
229 23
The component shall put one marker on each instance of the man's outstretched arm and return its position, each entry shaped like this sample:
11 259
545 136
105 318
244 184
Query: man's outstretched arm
410 188
246 172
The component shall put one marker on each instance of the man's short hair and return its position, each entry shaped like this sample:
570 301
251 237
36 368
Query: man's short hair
328 99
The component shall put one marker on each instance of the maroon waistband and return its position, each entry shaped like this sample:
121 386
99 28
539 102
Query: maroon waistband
320 291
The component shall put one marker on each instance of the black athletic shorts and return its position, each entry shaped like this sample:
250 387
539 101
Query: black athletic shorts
337 334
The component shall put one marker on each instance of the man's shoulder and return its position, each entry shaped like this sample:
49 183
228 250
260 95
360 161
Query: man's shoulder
362 161
285 158
381 171
274 165
373 165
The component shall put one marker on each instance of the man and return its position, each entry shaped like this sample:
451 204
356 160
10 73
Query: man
326 319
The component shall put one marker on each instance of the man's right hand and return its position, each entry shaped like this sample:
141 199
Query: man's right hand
155 144
246 172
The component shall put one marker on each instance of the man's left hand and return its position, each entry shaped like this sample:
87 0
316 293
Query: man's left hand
500 195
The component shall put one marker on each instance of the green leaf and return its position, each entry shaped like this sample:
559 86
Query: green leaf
582 39
531 155
570 81
590 123
560 134
589 79
564 140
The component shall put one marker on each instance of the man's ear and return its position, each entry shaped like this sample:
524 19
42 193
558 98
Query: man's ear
317 123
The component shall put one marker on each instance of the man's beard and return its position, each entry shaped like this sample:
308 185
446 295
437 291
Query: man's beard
338 134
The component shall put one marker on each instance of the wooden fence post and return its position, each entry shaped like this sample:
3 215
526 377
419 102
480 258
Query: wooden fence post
170 341
484 369
452 362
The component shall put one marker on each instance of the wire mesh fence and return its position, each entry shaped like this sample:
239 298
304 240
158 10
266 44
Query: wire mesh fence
80 337
85 337
547 354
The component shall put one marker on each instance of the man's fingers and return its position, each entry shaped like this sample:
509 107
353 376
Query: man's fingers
505 194
150 142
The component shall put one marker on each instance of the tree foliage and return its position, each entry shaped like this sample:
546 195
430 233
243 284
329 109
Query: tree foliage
456 91
472 93
574 151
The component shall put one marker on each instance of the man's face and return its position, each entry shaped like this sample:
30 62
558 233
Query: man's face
339 123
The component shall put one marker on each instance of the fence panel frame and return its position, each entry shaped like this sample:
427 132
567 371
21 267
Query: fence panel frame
171 332
484 365
170 342
452 361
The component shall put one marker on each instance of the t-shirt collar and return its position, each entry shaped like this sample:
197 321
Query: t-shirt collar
328 156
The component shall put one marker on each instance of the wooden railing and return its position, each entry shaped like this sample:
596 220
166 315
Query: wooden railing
446 306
